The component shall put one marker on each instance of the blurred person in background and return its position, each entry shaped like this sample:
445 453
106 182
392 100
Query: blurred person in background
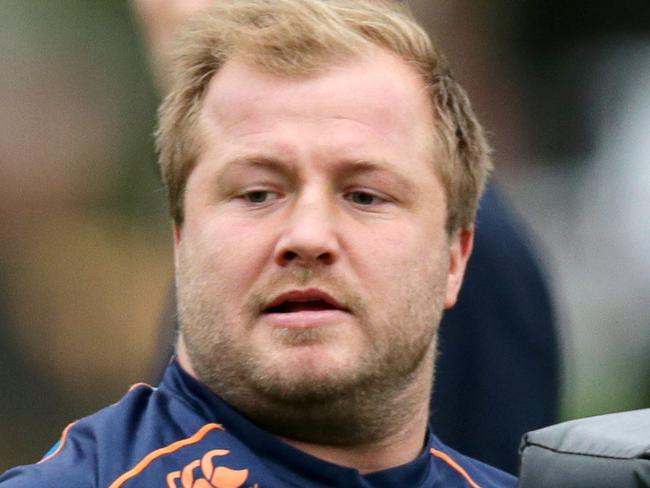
82 253
363 402
502 331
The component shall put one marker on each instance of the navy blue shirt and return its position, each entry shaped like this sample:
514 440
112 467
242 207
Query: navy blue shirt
182 435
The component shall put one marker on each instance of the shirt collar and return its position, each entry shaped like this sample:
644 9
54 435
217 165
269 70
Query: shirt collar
292 465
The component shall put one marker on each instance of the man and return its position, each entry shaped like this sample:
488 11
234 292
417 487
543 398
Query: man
324 170
498 351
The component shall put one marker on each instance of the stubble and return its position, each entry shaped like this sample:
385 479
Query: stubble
359 405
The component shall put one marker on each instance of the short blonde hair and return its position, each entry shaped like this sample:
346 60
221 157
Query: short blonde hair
304 38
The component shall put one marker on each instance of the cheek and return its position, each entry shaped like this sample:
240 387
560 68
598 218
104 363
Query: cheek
393 264
231 249
396 249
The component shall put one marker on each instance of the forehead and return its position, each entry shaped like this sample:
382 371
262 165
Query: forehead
378 91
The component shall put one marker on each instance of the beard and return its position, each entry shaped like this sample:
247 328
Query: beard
358 402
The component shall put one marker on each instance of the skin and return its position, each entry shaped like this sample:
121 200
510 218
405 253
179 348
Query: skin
319 185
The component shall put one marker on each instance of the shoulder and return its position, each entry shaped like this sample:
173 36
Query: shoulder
459 470
149 438
93 449
74 461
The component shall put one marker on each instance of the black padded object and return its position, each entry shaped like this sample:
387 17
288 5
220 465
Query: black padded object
608 451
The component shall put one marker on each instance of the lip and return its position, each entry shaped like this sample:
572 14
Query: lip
311 294
305 319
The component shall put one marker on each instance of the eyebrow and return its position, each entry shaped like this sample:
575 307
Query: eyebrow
357 166
259 162
343 168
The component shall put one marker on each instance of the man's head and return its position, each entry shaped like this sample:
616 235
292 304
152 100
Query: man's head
298 38
323 170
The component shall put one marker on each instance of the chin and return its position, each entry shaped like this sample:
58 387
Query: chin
308 375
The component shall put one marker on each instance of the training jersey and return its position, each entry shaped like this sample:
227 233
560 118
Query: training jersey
182 435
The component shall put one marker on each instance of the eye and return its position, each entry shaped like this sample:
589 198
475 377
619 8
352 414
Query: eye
259 196
364 198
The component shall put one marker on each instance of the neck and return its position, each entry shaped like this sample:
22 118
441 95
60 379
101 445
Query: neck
396 449
403 425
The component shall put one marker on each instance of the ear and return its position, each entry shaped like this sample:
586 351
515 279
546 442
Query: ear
460 249
176 230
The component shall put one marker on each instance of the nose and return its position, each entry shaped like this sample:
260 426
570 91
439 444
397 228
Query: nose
309 235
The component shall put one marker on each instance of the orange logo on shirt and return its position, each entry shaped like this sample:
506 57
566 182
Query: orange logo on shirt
211 476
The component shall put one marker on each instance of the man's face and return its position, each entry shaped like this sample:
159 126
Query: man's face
313 258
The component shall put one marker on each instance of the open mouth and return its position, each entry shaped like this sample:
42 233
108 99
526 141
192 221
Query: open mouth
303 301
301 306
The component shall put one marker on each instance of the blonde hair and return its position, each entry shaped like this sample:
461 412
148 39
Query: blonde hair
304 38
